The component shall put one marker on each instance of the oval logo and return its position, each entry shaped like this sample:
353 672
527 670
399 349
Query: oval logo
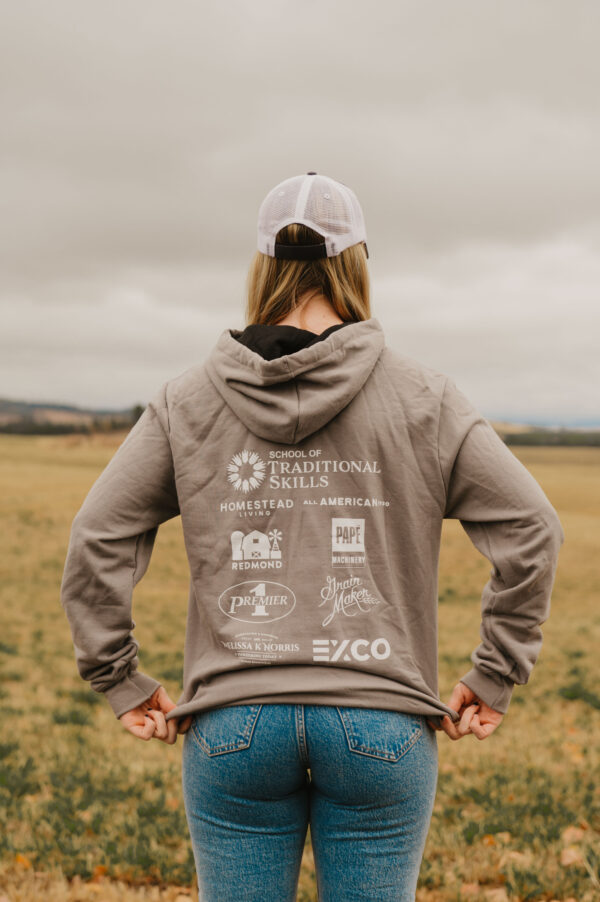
257 601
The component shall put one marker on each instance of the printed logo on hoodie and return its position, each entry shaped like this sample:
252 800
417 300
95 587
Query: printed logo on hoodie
347 597
256 550
247 470
257 602
347 542
332 650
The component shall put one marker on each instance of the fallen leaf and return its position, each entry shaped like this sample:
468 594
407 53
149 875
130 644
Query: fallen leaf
571 855
497 894
572 834
575 752
488 839
513 855
22 860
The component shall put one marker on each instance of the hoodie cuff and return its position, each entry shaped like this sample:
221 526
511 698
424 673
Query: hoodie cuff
494 690
130 692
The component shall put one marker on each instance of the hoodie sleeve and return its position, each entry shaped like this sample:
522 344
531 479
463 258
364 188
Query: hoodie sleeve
111 542
509 519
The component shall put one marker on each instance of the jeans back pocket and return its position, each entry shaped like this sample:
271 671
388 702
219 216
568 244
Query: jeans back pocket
221 730
386 735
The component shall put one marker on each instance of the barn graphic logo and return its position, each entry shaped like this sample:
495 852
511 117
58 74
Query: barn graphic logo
246 471
347 542
256 551
257 602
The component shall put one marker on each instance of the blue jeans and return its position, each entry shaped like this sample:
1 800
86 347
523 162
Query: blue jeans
249 800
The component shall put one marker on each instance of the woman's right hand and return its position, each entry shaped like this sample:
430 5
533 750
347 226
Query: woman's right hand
147 721
475 716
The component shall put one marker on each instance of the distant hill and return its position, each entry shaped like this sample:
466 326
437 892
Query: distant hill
530 434
35 418
43 418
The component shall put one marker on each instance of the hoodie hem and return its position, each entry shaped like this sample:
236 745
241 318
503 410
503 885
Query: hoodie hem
352 691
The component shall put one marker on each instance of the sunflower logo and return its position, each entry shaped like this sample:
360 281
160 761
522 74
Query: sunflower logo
246 471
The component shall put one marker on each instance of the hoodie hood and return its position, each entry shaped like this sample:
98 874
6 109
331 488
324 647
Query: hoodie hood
286 399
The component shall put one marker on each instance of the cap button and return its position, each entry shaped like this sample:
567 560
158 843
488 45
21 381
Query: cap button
311 173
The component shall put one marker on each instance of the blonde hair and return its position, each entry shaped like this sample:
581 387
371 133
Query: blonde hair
274 285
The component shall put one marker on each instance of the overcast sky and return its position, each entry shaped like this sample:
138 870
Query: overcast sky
138 139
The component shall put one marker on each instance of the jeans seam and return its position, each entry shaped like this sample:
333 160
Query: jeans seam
301 734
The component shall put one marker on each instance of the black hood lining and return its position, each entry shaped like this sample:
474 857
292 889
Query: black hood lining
273 341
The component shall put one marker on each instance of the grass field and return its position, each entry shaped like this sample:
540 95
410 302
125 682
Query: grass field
89 812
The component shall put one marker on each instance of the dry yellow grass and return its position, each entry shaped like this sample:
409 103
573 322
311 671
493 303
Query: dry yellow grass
24 885
516 817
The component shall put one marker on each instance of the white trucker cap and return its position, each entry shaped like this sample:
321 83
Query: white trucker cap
319 202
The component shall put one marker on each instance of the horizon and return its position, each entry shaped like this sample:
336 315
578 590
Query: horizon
575 423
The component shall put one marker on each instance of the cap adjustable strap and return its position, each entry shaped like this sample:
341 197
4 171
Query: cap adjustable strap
305 251
300 251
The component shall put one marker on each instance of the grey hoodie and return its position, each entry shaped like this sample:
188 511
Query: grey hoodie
312 490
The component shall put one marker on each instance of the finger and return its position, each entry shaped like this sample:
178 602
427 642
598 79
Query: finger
450 728
171 737
464 724
477 727
481 730
434 726
172 731
185 724
461 695
143 729
161 725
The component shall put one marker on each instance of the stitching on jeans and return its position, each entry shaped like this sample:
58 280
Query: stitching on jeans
234 745
382 754
301 733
